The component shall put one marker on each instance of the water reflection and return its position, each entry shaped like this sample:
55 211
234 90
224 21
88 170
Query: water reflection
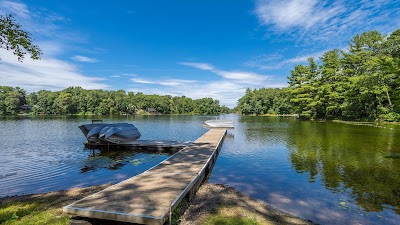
349 158
114 159
327 172
44 153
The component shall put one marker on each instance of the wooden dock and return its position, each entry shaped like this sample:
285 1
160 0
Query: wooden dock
145 145
149 197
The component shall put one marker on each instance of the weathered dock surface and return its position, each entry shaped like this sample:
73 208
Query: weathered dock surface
149 197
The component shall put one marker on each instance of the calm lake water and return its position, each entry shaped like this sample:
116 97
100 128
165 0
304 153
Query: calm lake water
327 172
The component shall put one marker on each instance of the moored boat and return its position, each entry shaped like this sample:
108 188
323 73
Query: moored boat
113 133
85 128
93 134
214 124
119 133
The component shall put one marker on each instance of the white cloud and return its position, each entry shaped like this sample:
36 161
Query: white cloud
51 48
270 62
40 23
142 81
228 86
239 76
176 82
226 91
244 77
18 9
81 58
202 66
286 14
326 21
48 73
164 82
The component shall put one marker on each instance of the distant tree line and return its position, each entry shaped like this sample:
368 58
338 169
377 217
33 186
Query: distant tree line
362 83
76 100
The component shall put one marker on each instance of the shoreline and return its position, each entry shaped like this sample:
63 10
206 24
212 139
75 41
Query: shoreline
212 203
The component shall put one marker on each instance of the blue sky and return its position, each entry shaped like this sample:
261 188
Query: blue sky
194 48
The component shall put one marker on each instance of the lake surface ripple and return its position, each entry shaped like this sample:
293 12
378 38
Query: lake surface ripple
327 172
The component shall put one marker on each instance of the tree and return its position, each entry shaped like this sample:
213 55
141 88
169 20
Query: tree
362 83
333 83
302 81
13 38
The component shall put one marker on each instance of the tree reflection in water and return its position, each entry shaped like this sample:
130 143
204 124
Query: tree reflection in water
349 158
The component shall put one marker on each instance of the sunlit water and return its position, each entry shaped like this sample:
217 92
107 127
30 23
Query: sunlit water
327 172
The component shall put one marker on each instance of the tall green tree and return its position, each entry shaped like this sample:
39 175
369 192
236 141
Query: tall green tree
333 84
302 84
362 83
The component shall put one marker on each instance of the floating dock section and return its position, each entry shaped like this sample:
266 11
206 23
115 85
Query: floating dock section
148 198
144 145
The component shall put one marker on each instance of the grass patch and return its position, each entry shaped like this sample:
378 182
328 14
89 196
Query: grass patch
235 216
231 220
41 208
28 212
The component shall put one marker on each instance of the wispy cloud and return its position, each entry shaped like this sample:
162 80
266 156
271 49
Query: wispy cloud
288 14
42 24
314 20
164 82
142 81
202 66
86 59
271 62
48 73
239 76
21 10
226 91
227 86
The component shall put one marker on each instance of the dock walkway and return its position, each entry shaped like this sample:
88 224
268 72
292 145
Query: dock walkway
149 197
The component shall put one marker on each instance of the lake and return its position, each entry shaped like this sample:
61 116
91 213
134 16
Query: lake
330 173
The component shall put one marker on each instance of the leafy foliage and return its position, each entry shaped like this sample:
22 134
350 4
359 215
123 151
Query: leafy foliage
75 100
13 38
361 84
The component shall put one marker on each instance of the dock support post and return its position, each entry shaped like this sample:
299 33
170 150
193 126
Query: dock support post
170 213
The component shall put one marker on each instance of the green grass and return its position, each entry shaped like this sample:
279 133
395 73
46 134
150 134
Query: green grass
42 208
30 212
235 215
229 220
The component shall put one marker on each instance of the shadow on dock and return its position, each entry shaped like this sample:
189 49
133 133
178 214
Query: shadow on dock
148 198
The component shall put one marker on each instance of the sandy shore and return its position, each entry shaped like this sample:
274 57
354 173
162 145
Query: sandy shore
211 199
227 201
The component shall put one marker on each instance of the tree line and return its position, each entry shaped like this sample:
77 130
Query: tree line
78 101
362 83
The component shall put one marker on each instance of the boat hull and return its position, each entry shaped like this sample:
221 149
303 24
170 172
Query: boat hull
215 124
113 133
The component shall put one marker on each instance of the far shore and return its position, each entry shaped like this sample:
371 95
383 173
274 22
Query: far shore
213 204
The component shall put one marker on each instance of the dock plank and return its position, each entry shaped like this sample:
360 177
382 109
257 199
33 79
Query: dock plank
148 197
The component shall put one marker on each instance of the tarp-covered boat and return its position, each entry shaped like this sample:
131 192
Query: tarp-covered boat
93 134
85 128
226 124
114 133
119 133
